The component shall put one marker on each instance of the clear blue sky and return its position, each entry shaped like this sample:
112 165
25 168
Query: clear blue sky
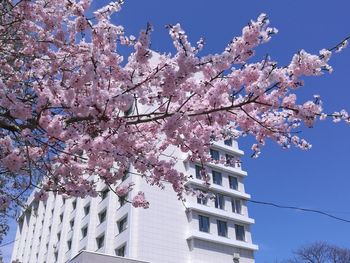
317 179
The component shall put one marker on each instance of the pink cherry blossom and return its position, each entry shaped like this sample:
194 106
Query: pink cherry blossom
124 189
72 106
140 201
41 195
4 202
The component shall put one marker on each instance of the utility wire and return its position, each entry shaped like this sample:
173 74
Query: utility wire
300 209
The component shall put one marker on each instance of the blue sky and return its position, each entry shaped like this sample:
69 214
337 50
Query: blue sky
318 178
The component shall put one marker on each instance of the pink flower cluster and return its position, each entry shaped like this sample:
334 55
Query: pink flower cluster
140 201
124 189
4 202
71 109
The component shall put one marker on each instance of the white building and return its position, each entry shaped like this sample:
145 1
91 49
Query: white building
198 231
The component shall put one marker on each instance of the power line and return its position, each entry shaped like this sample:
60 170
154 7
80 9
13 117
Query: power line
300 209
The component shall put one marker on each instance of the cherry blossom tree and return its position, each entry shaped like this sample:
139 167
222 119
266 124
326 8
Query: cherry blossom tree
72 106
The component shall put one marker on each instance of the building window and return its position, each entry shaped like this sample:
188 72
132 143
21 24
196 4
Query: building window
74 204
100 241
20 223
202 199
233 182
84 231
219 201
230 160
215 155
217 177
120 251
69 244
102 216
126 175
71 223
86 209
203 223
198 172
228 142
122 224
104 193
240 233
236 206
122 200
222 228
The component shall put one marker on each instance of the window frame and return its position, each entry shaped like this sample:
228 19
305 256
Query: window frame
84 231
121 248
104 218
122 200
104 193
238 228
98 239
220 224
216 174
125 175
123 220
228 142
232 179
69 244
220 201
203 227
236 203
71 223
214 155
86 209
201 199
198 171
230 160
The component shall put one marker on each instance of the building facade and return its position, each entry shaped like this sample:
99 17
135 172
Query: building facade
200 230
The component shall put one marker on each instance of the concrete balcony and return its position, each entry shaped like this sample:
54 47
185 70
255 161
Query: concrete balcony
227 169
220 213
218 189
195 234
228 149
